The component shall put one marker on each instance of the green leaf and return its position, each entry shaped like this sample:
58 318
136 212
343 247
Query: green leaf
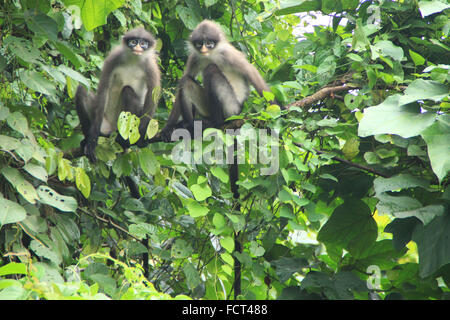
152 128
351 226
189 17
405 121
41 24
295 6
181 249
209 3
437 137
227 243
360 40
220 174
95 12
417 58
148 162
128 126
400 181
192 276
13 268
433 242
219 221
286 267
387 49
23 49
427 8
351 148
8 143
18 122
36 171
74 74
49 196
38 83
45 252
424 214
141 230
425 90
10 212
83 182
25 188
201 191
256 250
401 230
196 209
68 52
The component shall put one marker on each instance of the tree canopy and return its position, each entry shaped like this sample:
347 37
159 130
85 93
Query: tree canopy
356 208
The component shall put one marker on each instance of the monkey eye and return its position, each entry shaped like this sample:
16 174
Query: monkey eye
132 43
144 44
210 44
198 44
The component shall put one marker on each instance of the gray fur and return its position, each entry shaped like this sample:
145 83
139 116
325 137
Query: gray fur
120 69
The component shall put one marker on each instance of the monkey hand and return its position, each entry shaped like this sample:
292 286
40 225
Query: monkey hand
89 149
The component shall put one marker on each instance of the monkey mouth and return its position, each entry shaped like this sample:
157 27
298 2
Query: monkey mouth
137 52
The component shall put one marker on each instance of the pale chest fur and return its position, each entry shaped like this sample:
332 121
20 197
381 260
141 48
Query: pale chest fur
132 75
235 77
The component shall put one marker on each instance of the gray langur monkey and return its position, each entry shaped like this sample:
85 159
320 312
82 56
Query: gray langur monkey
129 75
226 75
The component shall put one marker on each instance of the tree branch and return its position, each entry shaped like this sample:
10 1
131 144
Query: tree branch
320 95
351 164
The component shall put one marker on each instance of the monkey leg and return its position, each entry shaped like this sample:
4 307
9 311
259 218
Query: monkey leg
83 104
130 101
221 98
191 99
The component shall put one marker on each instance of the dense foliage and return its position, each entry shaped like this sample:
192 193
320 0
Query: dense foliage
358 209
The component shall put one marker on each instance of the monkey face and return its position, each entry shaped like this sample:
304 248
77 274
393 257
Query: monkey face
204 46
138 45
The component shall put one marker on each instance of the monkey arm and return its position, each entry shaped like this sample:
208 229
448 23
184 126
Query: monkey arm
100 101
153 81
240 63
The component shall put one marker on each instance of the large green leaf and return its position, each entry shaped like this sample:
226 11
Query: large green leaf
41 24
23 49
49 196
437 138
351 226
433 242
294 6
427 8
387 49
286 267
401 181
37 82
11 212
391 117
188 16
95 12
25 188
397 114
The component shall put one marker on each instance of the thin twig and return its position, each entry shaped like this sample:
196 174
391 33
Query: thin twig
320 95
351 164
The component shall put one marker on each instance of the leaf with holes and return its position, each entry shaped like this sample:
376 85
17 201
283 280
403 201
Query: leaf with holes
49 196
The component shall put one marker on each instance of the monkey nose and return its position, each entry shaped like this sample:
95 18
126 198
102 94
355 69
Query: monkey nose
204 50
138 50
